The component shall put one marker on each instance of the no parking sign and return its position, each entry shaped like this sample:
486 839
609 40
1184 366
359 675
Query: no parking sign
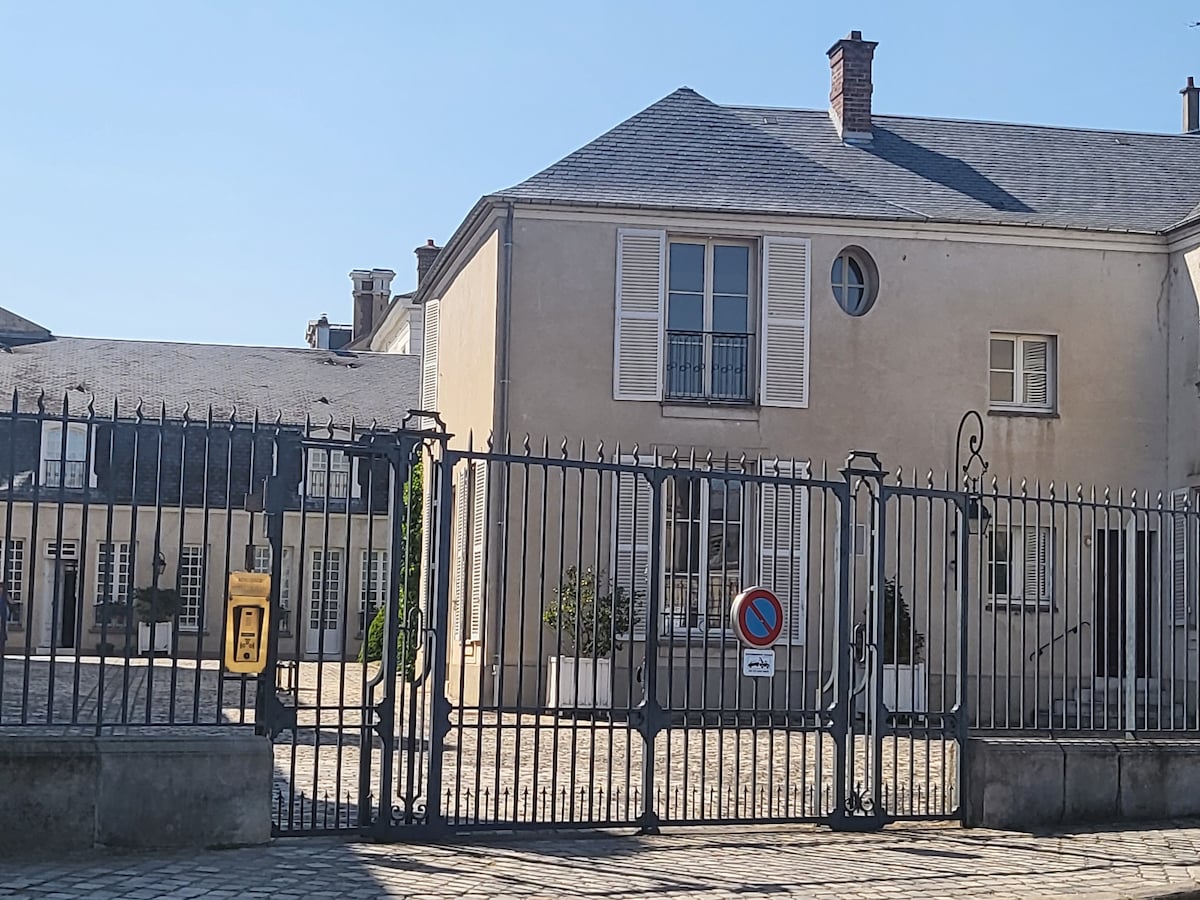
757 618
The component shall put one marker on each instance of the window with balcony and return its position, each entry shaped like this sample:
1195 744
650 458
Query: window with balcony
703 551
329 474
709 335
65 456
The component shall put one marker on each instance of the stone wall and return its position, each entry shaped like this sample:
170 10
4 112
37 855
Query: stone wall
138 791
1017 783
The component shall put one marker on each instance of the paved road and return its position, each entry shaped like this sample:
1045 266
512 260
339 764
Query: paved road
925 862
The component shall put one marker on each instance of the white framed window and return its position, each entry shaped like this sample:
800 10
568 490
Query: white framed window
329 474
709 330
1020 563
262 564
112 573
64 463
1022 372
372 586
703 551
325 589
191 585
13 552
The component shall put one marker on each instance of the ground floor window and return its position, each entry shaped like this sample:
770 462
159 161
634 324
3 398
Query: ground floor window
702 552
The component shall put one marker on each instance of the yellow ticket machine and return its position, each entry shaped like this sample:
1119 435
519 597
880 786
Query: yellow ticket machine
247 619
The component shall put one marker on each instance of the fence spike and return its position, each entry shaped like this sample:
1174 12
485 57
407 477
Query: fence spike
600 451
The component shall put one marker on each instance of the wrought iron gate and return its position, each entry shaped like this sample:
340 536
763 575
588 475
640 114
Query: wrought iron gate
569 663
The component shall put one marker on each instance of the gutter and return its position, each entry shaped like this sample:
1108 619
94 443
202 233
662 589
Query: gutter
500 419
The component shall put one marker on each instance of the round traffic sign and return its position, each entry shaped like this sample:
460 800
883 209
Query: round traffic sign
757 617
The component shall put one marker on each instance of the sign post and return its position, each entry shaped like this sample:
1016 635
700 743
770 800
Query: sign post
757 617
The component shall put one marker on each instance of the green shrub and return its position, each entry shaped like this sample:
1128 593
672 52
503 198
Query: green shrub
408 636
901 645
588 622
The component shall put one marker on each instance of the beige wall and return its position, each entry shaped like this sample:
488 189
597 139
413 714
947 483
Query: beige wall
1184 368
467 343
896 380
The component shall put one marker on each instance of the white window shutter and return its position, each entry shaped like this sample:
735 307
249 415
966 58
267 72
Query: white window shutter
637 351
429 358
1182 562
633 520
785 317
782 544
479 535
462 506
1035 372
1035 564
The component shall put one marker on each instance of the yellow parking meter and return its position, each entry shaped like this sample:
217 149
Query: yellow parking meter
246 620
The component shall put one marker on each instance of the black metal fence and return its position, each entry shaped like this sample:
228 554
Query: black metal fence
535 635
120 529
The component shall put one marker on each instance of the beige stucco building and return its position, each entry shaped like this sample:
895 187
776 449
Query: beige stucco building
792 284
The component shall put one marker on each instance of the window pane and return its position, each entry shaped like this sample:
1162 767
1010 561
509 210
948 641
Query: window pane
731 270
854 273
1000 387
1003 354
838 276
724 546
730 314
686 268
685 312
854 300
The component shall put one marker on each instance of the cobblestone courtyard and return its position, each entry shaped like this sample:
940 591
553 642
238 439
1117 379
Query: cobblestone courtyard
531 768
707 864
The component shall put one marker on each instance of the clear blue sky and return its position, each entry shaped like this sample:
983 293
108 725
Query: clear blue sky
210 170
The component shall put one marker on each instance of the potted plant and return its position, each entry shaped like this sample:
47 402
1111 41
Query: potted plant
589 623
110 619
155 607
903 655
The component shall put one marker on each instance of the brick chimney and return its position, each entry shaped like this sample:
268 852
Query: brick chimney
1191 107
850 88
426 256
372 291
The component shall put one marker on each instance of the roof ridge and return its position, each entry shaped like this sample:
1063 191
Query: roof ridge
209 344
958 121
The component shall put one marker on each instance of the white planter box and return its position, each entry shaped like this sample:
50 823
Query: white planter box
162 637
575 683
904 688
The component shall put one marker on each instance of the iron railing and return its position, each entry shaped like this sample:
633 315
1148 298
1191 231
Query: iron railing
707 365
554 646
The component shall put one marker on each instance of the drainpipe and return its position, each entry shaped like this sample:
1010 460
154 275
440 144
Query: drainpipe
501 420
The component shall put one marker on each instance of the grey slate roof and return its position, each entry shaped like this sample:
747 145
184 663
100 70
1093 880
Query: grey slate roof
290 383
685 152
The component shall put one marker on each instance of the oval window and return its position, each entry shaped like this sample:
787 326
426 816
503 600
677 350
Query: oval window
855 281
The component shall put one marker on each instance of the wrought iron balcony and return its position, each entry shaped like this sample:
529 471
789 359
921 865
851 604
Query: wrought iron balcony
67 473
708 365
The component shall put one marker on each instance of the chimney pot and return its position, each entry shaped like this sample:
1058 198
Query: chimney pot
1191 106
850 91
427 254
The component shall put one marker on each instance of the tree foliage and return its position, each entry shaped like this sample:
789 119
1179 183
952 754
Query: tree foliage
589 622
406 608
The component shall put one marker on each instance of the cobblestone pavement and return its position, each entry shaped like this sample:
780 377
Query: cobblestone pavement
925 862
527 768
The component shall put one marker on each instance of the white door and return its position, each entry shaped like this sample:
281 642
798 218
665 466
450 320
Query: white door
59 610
326 590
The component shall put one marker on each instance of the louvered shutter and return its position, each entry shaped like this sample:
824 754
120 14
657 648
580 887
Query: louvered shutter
785 314
1182 562
637 352
429 359
1035 564
1035 372
462 507
633 520
479 536
782 547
